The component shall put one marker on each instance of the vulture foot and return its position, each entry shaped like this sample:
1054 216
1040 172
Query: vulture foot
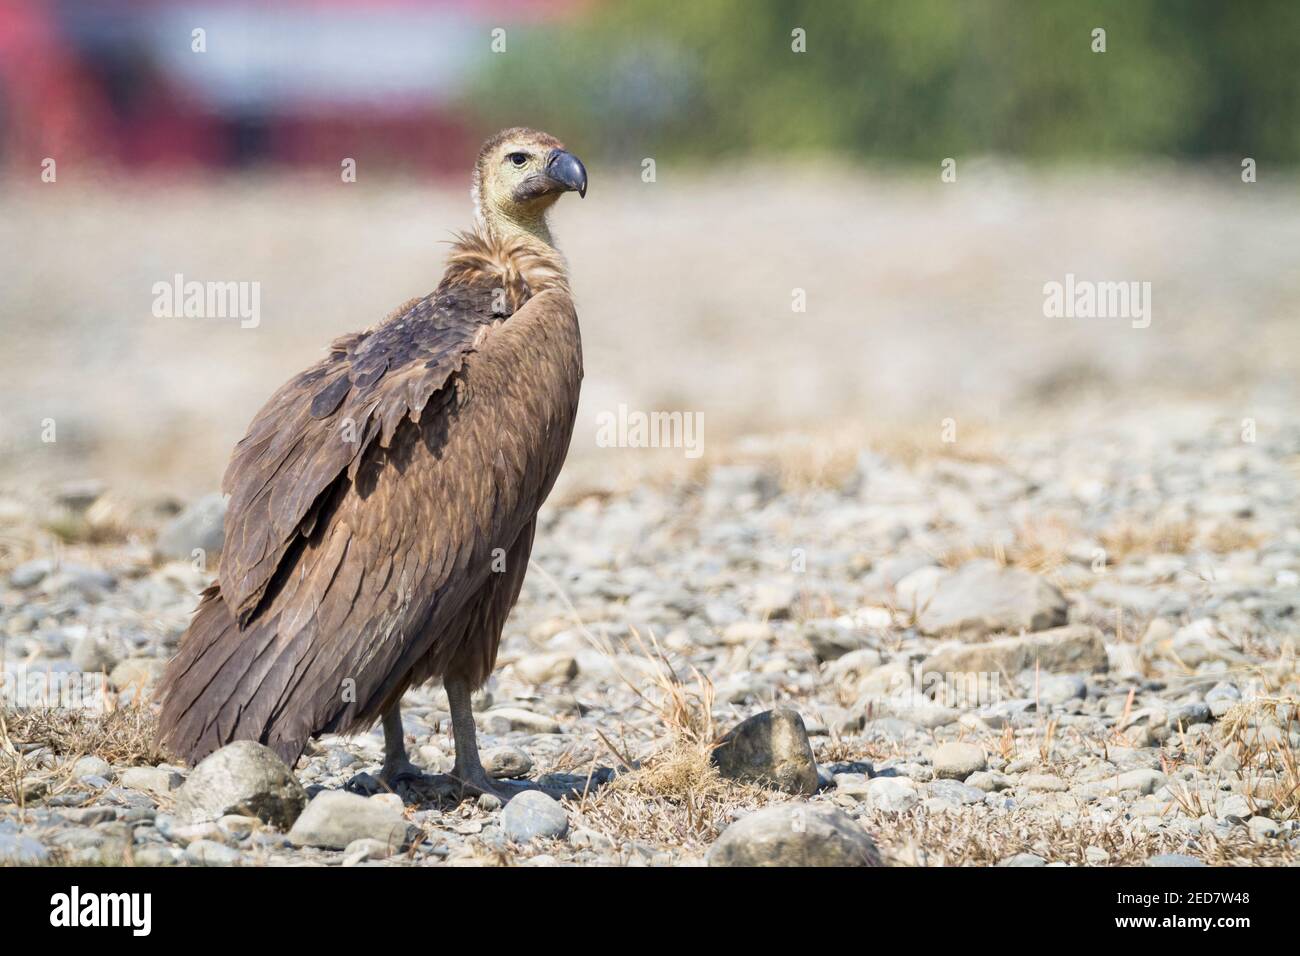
404 779
475 783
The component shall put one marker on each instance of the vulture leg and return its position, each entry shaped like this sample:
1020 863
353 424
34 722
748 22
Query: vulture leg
397 766
468 772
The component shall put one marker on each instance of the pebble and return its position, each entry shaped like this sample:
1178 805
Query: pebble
155 780
982 597
201 526
989 781
516 718
211 853
954 791
241 778
137 673
334 819
30 573
157 856
554 668
532 815
957 761
1077 648
771 749
92 767
795 834
892 794
505 763
19 850
366 848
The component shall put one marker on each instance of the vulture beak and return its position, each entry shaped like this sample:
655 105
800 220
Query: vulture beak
567 171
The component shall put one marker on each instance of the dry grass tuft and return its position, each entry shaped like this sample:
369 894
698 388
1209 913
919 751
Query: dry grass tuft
1128 538
121 736
967 838
1269 767
1040 546
674 797
975 443
108 520
1228 536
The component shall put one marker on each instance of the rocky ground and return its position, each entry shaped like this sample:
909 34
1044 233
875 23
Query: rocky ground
1072 646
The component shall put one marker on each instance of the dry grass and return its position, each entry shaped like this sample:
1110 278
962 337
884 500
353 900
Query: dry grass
1270 768
674 797
108 520
124 736
1131 538
968 838
1040 546
1229 536
972 441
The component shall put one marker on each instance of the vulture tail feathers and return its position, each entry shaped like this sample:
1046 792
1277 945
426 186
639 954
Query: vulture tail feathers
240 668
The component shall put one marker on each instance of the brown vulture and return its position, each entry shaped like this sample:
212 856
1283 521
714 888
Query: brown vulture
383 503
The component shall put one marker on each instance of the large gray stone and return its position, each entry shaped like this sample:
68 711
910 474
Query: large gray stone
211 853
795 834
200 526
137 673
1075 649
771 749
957 761
1141 780
30 573
335 819
156 780
551 668
892 794
243 778
830 639
20 850
982 597
954 791
506 762
532 815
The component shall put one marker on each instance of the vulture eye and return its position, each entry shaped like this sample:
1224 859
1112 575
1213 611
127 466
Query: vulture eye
517 159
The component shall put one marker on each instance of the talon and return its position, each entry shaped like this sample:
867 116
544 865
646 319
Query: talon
401 773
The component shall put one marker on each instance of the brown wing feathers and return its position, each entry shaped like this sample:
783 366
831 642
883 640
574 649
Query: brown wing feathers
364 504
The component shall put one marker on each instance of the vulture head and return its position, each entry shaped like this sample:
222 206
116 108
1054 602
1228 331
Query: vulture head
519 175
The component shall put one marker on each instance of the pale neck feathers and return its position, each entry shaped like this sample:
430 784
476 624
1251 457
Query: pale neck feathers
521 265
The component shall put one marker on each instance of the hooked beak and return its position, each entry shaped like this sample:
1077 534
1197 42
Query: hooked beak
567 170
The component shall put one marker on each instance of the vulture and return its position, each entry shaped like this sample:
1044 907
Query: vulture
382 504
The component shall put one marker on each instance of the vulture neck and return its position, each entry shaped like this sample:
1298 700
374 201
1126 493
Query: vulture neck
508 223
508 230
519 261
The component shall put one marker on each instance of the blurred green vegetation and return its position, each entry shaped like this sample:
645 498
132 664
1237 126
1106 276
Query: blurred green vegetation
909 79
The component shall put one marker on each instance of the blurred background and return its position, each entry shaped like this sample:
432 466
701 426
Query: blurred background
797 148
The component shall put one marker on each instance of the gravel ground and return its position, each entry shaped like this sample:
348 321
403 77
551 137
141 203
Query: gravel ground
1037 646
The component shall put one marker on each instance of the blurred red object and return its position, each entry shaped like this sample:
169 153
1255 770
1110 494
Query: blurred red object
115 83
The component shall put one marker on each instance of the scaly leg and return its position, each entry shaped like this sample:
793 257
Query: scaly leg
397 765
468 770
